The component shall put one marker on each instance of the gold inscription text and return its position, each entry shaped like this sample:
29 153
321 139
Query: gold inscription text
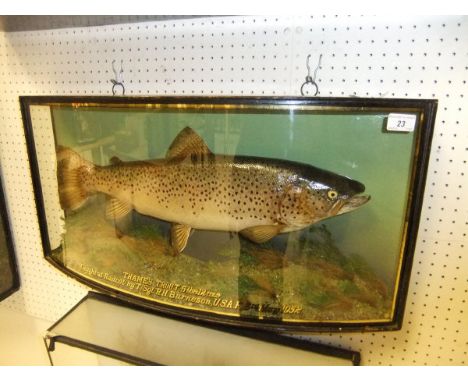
185 294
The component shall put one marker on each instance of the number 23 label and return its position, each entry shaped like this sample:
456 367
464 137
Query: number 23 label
401 122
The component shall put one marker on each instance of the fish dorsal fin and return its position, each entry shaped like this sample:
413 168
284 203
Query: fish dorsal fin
179 236
262 233
187 143
117 209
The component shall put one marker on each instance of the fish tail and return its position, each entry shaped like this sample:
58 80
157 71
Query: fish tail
72 175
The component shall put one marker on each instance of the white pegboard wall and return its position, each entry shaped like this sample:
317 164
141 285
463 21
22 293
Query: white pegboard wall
417 57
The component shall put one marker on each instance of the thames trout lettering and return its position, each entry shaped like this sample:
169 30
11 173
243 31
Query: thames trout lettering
183 294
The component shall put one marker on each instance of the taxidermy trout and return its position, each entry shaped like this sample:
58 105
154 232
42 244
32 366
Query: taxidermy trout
192 188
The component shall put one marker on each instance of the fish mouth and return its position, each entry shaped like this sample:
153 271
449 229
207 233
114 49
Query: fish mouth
351 204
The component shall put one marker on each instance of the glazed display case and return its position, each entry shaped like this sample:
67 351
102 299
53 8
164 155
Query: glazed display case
9 278
277 213
101 330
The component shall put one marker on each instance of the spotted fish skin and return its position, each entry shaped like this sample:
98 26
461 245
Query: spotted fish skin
258 197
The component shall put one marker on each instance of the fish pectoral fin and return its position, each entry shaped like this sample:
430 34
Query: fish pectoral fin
115 160
117 209
187 143
262 233
179 236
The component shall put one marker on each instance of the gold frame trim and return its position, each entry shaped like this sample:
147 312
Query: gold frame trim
225 106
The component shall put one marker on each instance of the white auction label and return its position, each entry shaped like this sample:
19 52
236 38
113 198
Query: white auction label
401 122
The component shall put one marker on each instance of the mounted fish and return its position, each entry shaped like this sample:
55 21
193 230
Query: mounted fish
192 188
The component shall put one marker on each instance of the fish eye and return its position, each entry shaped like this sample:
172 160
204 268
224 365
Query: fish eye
332 194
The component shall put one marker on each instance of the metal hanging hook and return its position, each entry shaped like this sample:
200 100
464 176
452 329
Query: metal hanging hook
309 79
308 66
118 80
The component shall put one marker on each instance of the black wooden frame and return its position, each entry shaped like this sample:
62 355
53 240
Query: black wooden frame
9 246
425 107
